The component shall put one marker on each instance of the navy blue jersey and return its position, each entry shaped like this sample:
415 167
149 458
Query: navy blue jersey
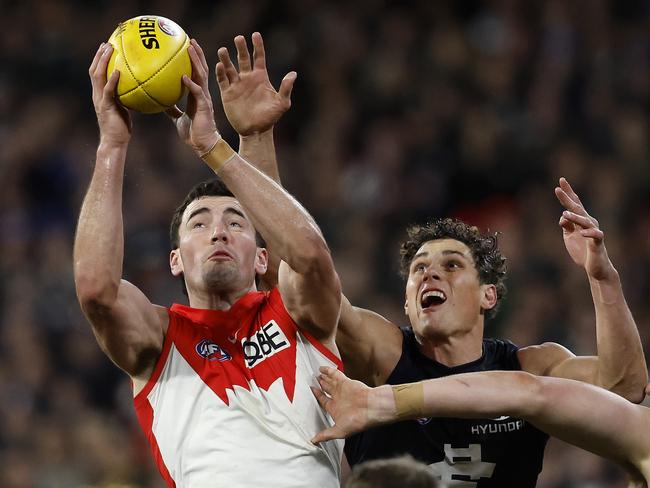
492 453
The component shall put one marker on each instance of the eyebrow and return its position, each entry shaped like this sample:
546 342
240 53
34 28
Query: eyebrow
446 252
229 210
197 212
233 210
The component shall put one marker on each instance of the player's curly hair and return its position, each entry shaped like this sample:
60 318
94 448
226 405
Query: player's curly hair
490 263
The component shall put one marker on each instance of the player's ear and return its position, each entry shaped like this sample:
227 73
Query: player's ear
261 261
489 296
176 262
406 306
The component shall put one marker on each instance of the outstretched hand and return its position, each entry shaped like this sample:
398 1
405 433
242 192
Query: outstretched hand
249 100
113 119
345 400
196 126
583 238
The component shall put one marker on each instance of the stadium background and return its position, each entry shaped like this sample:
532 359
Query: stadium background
402 111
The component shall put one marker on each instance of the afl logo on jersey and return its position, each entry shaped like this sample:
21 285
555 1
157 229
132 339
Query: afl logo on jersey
211 351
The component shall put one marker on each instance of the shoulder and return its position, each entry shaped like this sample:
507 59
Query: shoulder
501 354
501 345
542 358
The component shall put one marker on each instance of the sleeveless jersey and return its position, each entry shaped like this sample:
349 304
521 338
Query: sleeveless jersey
491 453
229 403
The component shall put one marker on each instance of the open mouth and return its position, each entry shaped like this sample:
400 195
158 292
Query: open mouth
432 298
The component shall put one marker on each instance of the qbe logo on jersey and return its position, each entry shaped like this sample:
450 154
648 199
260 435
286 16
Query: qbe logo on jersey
265 343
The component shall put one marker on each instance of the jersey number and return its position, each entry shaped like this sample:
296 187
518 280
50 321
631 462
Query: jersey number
463 467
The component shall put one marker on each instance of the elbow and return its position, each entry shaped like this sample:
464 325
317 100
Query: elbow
637 396
312 255
630 383
531 397
633 390
95 294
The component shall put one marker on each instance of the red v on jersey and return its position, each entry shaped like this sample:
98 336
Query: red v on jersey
254 341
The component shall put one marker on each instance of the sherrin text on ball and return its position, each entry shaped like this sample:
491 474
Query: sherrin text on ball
151 54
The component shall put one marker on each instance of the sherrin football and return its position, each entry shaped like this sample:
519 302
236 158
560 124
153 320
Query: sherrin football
151 54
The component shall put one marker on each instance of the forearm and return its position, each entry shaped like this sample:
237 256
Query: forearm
285 224
465 395
569 410
259 150
99 240
621 362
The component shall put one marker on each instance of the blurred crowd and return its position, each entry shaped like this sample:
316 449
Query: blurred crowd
402 111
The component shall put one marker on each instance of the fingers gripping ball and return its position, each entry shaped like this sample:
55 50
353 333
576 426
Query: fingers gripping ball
151 54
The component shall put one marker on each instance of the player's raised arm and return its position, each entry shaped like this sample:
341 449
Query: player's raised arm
128 327
308 282
251 103
253 107
584 415
620 365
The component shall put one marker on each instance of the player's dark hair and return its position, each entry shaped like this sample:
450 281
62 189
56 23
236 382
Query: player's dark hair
399 472
214 187
489 262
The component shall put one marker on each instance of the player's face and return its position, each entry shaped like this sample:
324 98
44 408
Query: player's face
217 251
444 297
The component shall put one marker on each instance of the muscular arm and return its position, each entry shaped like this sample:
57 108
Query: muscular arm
581 414
127 326
370 345
300 261
253 107
258 149
620 365
307 281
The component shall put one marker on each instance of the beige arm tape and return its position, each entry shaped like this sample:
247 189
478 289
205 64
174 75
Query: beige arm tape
409 400
218 155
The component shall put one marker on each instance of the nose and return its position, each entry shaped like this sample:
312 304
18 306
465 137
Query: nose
431 273
219 234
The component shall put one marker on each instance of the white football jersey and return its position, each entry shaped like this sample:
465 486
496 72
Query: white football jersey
229 403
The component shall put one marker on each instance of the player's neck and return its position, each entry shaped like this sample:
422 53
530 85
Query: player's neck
456 350
221 300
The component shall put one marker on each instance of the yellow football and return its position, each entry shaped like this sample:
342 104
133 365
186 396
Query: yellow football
151 54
